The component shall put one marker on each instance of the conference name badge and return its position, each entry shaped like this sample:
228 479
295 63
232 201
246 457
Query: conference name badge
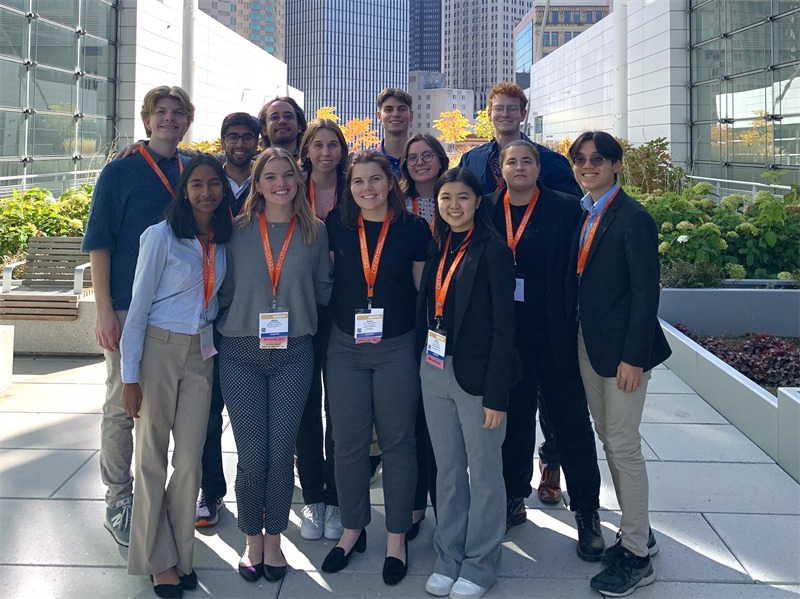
369 325
437 341
273 329
519 290
207 348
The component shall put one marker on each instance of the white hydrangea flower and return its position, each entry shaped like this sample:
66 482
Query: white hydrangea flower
683 239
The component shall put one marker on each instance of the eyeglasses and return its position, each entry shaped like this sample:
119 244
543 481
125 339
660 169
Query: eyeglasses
287 116
425 156
500 109
595 160
233 138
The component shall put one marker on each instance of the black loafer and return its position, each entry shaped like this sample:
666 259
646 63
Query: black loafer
337 559
412 534
251 573
394 570
168 591
189 582
275 573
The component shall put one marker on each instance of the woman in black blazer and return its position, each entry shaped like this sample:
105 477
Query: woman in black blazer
465 334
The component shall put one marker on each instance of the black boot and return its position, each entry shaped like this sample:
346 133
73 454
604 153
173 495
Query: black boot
590 537
515 512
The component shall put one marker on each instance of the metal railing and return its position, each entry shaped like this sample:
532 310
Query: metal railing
726 187
55 183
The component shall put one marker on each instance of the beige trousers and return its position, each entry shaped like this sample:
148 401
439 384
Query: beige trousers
176 397
116 431
617 416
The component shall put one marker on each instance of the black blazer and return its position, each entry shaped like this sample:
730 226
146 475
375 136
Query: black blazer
485 359
561 213
618 291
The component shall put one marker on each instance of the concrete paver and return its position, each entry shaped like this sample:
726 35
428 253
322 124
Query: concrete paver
716 540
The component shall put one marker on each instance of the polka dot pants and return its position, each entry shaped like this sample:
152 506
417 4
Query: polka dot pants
265 392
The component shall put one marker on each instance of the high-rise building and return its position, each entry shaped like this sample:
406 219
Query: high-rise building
425 35
342 53
432 97
478 43
262 22
565 20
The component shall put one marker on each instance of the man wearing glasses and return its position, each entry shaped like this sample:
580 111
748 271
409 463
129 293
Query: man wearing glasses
506 110
239 141
283 124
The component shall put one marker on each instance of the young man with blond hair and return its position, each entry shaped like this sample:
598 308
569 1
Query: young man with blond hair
129 197
506 110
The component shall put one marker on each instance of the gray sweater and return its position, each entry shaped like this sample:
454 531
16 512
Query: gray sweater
306 280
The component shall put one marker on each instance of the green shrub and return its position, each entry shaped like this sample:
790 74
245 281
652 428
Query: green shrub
691 275
35 213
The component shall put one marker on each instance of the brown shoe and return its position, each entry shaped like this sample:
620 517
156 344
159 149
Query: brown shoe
550 485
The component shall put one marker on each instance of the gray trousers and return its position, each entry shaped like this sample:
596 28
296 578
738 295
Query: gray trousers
470 492
116 430
374 384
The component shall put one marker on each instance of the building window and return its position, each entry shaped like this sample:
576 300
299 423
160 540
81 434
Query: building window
255 16
546 38
577 17
268 18
597 16
567 17
269 48
254 37
269 38
255 6
255 27
554 38
588 17
575 34
270 28
554 17
567 36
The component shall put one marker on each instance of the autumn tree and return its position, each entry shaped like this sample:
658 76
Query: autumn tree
760 134
453 125
359 134
328 112
483 127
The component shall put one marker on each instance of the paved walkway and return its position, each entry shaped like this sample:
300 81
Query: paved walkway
726 516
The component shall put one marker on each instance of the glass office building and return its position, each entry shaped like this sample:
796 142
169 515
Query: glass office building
58 80
425 36
745 88
524 55
342 53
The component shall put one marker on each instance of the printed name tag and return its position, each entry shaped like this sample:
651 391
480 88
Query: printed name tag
273 329
437 342
519 290
207 348
369 325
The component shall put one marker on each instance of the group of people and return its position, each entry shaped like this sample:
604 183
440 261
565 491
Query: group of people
429 312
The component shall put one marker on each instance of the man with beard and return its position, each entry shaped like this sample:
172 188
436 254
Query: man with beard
239 140
283 123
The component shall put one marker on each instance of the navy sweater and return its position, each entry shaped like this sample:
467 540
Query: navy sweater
128 198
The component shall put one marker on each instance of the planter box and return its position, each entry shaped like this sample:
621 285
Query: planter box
771 423
733 311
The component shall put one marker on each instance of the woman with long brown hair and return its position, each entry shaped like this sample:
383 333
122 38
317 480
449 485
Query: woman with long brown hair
278 271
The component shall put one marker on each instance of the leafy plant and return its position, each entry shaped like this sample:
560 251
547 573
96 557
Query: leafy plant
483 126
649 167
213 146
691 275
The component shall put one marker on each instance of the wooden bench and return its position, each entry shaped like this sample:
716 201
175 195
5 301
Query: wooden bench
56 276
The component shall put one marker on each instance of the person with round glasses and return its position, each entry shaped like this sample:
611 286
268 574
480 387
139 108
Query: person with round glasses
423 161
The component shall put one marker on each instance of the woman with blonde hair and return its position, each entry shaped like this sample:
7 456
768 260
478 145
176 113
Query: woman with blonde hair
279 269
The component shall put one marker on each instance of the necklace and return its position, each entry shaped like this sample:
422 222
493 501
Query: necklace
454 250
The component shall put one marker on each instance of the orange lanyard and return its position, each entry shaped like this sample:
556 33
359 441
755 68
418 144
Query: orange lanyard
208 268
158 171
513 238
275 269
311 196
441 288
587 245
415 210
371 271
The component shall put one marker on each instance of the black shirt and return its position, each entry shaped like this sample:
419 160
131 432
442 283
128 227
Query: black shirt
406 242
448 311
531 264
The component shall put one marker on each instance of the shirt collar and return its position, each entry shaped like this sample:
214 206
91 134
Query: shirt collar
392 159
235 187
597 207
156 156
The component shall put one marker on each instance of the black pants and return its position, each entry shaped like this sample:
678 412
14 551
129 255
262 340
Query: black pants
315 469
213 484
563 396
548 452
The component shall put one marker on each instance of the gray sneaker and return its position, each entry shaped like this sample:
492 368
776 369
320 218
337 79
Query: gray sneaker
118 521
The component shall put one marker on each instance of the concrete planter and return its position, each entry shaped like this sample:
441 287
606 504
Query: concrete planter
771 423
733 311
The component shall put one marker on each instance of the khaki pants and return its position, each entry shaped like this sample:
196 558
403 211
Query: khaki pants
116 431
617 416
176 390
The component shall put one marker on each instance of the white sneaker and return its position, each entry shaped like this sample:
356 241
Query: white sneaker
312 525
439 585
333 523
464 589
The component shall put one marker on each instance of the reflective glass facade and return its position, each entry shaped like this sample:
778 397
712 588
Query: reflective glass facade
745 75
342 53
425 36
524 55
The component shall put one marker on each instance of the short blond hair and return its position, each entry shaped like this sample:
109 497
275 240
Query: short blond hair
165 91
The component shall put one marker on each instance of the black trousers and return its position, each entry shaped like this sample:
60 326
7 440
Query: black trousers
315 469
213 483
548 451
563 396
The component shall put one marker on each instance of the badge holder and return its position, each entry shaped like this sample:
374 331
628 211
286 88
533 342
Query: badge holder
435 350
519 290
273 328
368 326
207 348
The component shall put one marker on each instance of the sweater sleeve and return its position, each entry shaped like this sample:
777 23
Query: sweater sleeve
323 275
106 212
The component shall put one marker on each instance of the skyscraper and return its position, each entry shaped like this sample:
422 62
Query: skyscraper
478 43
425 36
261 22
342 53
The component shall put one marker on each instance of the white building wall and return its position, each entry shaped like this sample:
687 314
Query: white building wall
573 88
231 74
